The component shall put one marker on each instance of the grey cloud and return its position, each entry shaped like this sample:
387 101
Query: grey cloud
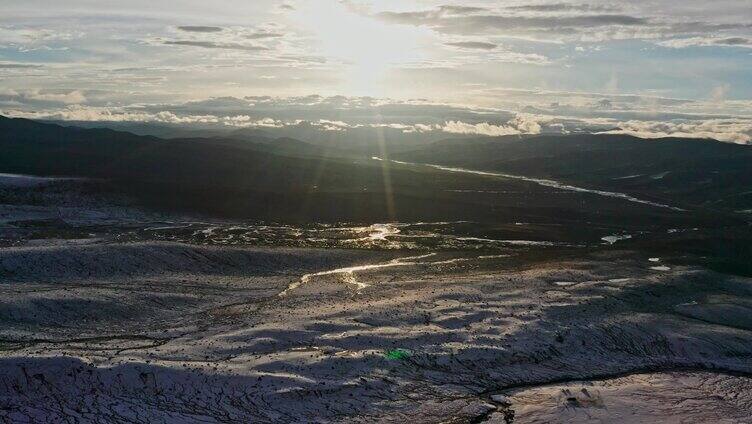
564 21
707 27
707 41
480 45
734 41
474 24
19 66
302 59
214 45
563 7
262 35
200 28
461 10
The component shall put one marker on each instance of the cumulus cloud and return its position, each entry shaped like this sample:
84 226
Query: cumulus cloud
483 128
245 121
733 131
366 117
328 125
521 124
86 114
104 114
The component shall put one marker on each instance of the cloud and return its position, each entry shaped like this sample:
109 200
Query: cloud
32 39
735 41
679 43
199 28
461 10
42 98
105 114
239 38
328 125
7 65
215 45
20 35
733 131
516 57
479 45
563 7
245 121
521 124
503 23
86 114
528 124
263 34
588 104
566 21
361 118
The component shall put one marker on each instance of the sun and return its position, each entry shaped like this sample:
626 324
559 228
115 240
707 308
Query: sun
366 46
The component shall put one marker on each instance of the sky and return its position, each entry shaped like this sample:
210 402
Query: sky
650 68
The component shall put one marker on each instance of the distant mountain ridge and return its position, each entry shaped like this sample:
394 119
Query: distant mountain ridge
282 179
52 149
275 176
702 171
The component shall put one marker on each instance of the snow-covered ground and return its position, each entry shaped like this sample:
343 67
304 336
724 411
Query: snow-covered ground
95 327
669 397
166 332
20 180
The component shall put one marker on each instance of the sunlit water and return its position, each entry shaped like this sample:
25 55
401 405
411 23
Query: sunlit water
348 275
546 183
435 243
435 236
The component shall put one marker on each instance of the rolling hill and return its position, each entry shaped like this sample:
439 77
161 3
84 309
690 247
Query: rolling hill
701 173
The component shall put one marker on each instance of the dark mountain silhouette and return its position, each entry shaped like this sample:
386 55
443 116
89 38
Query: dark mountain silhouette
289 178
282 179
